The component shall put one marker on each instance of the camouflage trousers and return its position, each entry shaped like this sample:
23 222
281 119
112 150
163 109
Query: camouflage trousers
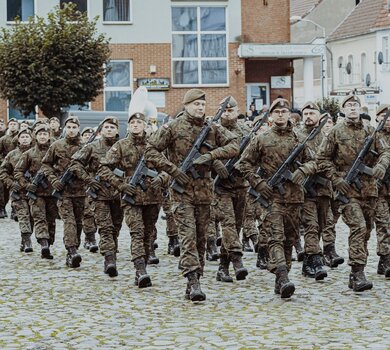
359 216
109 217
329 231
282 226
192 224
213 227
141 220
382 222
171 225
4 195
253 222
230 213
315 216
44 212
71 210
89 224
22 210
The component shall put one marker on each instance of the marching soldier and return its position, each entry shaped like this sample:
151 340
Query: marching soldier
43 206
337 154
269 150
106 202
192 207
55 131
71 204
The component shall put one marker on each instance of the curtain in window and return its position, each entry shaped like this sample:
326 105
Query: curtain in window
116 10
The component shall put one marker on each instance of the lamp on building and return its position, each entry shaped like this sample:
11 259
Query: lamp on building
152 69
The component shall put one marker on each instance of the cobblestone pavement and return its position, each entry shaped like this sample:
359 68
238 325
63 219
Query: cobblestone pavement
44 305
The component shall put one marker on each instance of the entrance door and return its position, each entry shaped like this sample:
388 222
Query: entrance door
257 94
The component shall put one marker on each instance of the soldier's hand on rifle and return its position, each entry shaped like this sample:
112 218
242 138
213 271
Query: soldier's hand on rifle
58 186
220 169
298 177
181 177
379 171
31 188
342 186
15 187
94 185
128 189
156 183
204 158
263 189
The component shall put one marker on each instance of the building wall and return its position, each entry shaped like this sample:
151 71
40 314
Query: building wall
383 71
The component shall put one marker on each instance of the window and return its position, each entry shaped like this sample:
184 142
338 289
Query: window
81 5
350 63
117 10
341 70
117 91
385 51
199 46
23 9
15 113
363 67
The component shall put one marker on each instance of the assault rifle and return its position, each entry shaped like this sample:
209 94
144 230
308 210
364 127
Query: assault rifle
231 162
283 173
15 194
90 192
358 167
38 180
194 153
138 178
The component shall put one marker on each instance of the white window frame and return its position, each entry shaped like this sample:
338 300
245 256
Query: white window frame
8 112
120 22
14 22
248 89
341 70
351 79
198 33
118 88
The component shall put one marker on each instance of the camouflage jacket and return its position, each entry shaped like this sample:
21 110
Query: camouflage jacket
54 136
125 155
314 146
339 149
384 188
85 164
56 162
7 168
268 151
177 138
31 161
7 144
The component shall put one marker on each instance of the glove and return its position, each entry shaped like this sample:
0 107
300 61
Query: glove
31 188
263 189
181 177
204 158
156 183
342 186
58 186
128 189
94 185
15 187
298 177
379 171
220 169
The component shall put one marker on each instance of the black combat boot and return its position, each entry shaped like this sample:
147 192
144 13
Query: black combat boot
282 284
90 243
255 242
246 246
299 250
332 259
307 266
223 270
239 269
73 258
3 213
13 215
212 250
176 246
218 239
319 271
170 245
155 245
152 258
26 239
357 279
195 293
45 250
110 264
262 258
384 265
142 279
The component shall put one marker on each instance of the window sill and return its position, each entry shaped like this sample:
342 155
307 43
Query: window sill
117 23
12 23
199 85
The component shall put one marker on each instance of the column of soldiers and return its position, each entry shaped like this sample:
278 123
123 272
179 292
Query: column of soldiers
286 180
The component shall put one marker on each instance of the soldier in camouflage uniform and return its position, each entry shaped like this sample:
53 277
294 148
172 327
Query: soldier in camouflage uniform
44 208
269 150
108 212
230 208
7 144
3 128
55 131
71 205
19 201
173 244
192 207
336 155
382 217
141 217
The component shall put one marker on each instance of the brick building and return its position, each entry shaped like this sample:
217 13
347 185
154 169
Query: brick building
173 45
